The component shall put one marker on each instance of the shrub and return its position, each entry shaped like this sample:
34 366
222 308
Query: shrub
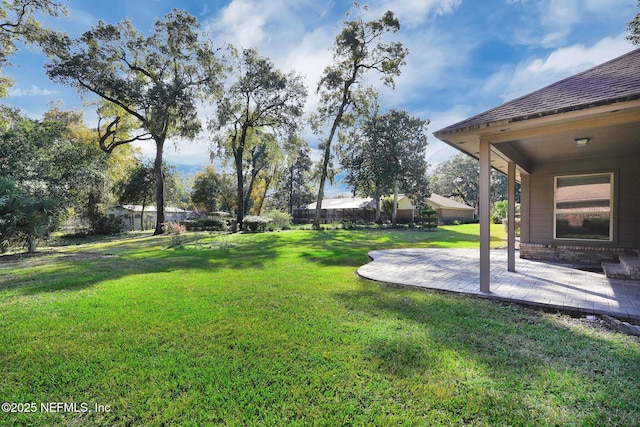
255 224
207 224
428 217
279 220
173 228
103 225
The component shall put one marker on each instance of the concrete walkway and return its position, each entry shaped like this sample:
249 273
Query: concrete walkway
534 283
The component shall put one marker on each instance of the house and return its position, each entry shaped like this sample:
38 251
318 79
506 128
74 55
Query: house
131 215
575 148
343 209
406 212
450 210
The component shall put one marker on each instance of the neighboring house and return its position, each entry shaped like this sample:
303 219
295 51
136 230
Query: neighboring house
450 210
131 214
575 148
354 209
406 210
344 209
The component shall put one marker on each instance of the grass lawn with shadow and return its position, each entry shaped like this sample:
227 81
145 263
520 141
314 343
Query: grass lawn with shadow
277 329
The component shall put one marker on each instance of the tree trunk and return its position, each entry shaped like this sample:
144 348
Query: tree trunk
291 171
267 184
31 244
247 199
240 192
378 212
238 153
142 217
92 210
325 166
394 217
157 170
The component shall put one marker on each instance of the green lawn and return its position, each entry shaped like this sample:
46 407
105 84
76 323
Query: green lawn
277 329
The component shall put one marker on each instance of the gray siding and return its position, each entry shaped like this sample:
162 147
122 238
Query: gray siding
626 199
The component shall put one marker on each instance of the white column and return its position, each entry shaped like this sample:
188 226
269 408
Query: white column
511 215
485 217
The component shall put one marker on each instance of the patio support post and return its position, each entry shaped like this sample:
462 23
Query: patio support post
511 218
485 217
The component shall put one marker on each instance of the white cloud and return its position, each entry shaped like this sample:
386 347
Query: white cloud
551 23
310 57
536 73
32 91
438 151
243 21
415 12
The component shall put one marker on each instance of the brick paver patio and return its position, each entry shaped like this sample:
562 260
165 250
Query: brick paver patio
534 283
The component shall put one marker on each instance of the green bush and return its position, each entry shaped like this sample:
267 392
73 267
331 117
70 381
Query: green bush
103 225
207 224
255 223
279 220
428 217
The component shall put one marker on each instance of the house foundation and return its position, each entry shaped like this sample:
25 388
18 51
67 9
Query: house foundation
572 254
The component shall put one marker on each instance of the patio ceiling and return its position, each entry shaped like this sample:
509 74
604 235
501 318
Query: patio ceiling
612 130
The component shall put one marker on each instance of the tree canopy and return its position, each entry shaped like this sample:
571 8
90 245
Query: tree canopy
23 219
58 158
157 80
357 49
459 178
633 28
389 154
293 189
18 21
260 101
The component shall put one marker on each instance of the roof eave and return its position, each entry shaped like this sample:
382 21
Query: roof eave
455 129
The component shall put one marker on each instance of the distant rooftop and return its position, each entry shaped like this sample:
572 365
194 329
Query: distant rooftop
614 81
138 208
447 203
346 203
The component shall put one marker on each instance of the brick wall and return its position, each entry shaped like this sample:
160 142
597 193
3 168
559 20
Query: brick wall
567 253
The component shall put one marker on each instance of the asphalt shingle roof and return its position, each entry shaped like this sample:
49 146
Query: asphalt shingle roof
614 81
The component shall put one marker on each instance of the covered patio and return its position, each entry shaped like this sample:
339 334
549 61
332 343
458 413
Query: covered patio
541 284
574 147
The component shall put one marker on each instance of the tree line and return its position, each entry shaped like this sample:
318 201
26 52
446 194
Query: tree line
148 87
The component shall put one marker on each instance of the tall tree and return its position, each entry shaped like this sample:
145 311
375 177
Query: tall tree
633 27
261 97
18 21
156 79
262 160
387 156
293 189
357 49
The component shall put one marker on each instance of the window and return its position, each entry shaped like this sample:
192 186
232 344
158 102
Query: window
583 207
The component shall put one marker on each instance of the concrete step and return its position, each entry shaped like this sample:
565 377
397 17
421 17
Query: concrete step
616 271
631 263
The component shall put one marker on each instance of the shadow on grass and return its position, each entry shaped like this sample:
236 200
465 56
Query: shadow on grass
515 352
75 268
62 271
350 247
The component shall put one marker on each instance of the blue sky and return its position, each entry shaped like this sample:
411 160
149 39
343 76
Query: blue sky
466 56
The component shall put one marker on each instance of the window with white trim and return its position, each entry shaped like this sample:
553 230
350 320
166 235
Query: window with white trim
584 207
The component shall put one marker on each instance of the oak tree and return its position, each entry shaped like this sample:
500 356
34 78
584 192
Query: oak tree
156 79
260 97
